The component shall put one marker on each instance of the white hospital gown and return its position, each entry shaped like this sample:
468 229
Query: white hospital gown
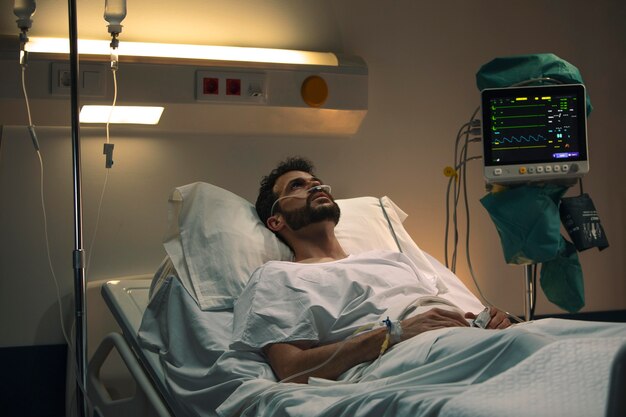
325 302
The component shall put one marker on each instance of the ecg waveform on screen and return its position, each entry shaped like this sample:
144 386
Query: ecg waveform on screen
518 116
519 139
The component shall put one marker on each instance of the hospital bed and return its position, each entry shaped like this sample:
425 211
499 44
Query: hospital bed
175 335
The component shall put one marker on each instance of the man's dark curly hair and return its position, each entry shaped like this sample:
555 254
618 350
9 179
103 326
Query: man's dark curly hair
267 196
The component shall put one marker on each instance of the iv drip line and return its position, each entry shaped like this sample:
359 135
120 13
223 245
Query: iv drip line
108 164
31 131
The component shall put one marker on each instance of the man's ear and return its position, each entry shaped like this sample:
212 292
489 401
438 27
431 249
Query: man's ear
275 223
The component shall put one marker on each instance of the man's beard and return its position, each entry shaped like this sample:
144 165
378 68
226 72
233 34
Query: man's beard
297 219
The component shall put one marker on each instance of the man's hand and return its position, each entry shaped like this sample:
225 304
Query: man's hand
499 319
435 318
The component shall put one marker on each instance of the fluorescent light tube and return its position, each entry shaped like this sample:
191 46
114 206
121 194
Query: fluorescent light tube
143 115
181 51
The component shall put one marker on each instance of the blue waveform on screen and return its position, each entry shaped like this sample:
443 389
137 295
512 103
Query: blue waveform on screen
519 139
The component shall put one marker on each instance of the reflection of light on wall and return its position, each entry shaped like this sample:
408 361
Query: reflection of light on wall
181 51
308 25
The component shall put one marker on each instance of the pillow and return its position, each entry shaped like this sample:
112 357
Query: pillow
365 226
216 240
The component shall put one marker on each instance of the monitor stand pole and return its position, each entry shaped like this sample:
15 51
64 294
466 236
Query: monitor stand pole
528 291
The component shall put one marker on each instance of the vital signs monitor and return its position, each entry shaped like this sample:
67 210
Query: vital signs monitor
534 133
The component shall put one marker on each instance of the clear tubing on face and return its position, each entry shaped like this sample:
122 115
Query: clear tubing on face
325 188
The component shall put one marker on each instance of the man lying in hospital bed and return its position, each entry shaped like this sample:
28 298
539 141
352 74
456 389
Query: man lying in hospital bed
298 313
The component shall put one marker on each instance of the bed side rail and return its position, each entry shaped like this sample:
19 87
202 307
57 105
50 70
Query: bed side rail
145 402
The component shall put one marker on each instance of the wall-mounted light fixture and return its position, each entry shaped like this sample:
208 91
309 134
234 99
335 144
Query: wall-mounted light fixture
182 51
142 115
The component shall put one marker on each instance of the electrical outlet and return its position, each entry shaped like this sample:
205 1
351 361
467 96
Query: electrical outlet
210 86
91 79
231 87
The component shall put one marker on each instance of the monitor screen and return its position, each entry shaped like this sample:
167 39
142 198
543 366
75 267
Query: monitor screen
534 133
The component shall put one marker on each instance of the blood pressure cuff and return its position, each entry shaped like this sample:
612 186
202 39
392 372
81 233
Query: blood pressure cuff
527 220
511 70
582 222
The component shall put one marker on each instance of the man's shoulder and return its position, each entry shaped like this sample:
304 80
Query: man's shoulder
286 267
273 268
379 254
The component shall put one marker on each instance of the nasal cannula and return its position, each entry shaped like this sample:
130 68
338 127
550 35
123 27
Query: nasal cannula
317 188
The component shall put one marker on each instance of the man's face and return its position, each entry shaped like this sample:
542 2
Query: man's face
300 208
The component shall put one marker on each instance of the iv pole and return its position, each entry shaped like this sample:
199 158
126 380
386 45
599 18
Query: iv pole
114 18
78 258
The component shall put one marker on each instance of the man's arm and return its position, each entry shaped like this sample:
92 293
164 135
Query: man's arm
289 359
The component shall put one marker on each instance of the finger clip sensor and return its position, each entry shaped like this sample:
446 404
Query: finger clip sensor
483 319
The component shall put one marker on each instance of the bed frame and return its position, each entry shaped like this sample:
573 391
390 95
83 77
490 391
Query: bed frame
127 300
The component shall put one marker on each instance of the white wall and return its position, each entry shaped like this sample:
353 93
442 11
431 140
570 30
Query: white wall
422 57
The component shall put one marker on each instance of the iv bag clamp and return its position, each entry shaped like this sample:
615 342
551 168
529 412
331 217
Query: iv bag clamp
108 151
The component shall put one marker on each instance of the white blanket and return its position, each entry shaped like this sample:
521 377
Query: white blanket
461 372
565 379
457 372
